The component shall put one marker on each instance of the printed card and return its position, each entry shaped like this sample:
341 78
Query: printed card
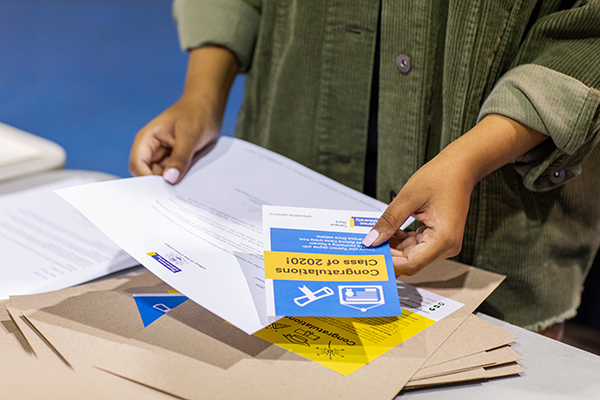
316 265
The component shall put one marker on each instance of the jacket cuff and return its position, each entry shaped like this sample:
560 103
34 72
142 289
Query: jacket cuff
554 104
232 24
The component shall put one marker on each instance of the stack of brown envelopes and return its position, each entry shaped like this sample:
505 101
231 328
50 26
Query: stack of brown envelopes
90 341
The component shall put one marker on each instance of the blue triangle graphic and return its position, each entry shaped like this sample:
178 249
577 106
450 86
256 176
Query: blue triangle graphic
152 306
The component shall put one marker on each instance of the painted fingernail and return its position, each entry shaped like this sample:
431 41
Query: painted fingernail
171 175
370 238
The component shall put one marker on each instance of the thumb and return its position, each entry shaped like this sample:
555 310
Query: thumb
390 221
180 158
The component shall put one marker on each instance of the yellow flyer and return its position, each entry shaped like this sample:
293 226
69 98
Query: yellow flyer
346 344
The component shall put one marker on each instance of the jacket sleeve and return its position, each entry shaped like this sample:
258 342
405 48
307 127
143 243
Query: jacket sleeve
554 87
228 23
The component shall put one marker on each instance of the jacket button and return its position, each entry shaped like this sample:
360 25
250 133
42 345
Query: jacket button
557 177
403 63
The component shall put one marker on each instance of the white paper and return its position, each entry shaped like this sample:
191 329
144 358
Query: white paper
207 230
425 303
46 244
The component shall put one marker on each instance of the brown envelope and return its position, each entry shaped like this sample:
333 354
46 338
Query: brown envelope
501 355
24 378
482 335
11 337
193 354
41 349
475 374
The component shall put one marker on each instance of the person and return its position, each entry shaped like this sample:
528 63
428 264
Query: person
485 115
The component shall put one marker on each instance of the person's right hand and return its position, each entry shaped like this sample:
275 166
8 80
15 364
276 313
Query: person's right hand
168 143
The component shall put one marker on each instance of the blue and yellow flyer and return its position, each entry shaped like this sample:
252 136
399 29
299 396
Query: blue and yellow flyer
316 265
347 344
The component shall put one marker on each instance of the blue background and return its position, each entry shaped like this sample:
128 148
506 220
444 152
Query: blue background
89 74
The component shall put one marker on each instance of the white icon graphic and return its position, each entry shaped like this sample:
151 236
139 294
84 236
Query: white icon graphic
361 297
310 296
161 307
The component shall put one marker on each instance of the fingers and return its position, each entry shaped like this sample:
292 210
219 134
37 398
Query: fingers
151 145
179 160
189 140
413 251
137 167
414 258
389 223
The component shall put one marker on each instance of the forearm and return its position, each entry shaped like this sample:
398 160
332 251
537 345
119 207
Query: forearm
494 142
210 74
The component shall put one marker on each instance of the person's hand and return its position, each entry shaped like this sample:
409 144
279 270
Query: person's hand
440 200
438 193
168 143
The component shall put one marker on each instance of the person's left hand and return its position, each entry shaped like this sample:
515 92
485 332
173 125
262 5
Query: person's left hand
440 200
438 194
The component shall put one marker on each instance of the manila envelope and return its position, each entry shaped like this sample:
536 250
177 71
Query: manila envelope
482 373
500 355
17 332
41 349
11 337
475 335
24 378
193 354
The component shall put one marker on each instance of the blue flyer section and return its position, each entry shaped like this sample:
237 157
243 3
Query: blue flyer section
330 274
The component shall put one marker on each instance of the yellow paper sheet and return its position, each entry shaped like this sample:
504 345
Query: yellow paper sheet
347 344
343 344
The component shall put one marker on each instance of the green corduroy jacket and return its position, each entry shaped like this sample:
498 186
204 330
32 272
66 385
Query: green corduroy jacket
444 65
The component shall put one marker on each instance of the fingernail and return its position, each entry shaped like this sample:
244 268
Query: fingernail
370 238
171 175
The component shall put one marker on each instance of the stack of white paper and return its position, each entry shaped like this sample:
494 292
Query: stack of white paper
46 244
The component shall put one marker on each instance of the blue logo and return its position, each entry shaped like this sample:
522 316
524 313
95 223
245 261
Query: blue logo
362 221
164 262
